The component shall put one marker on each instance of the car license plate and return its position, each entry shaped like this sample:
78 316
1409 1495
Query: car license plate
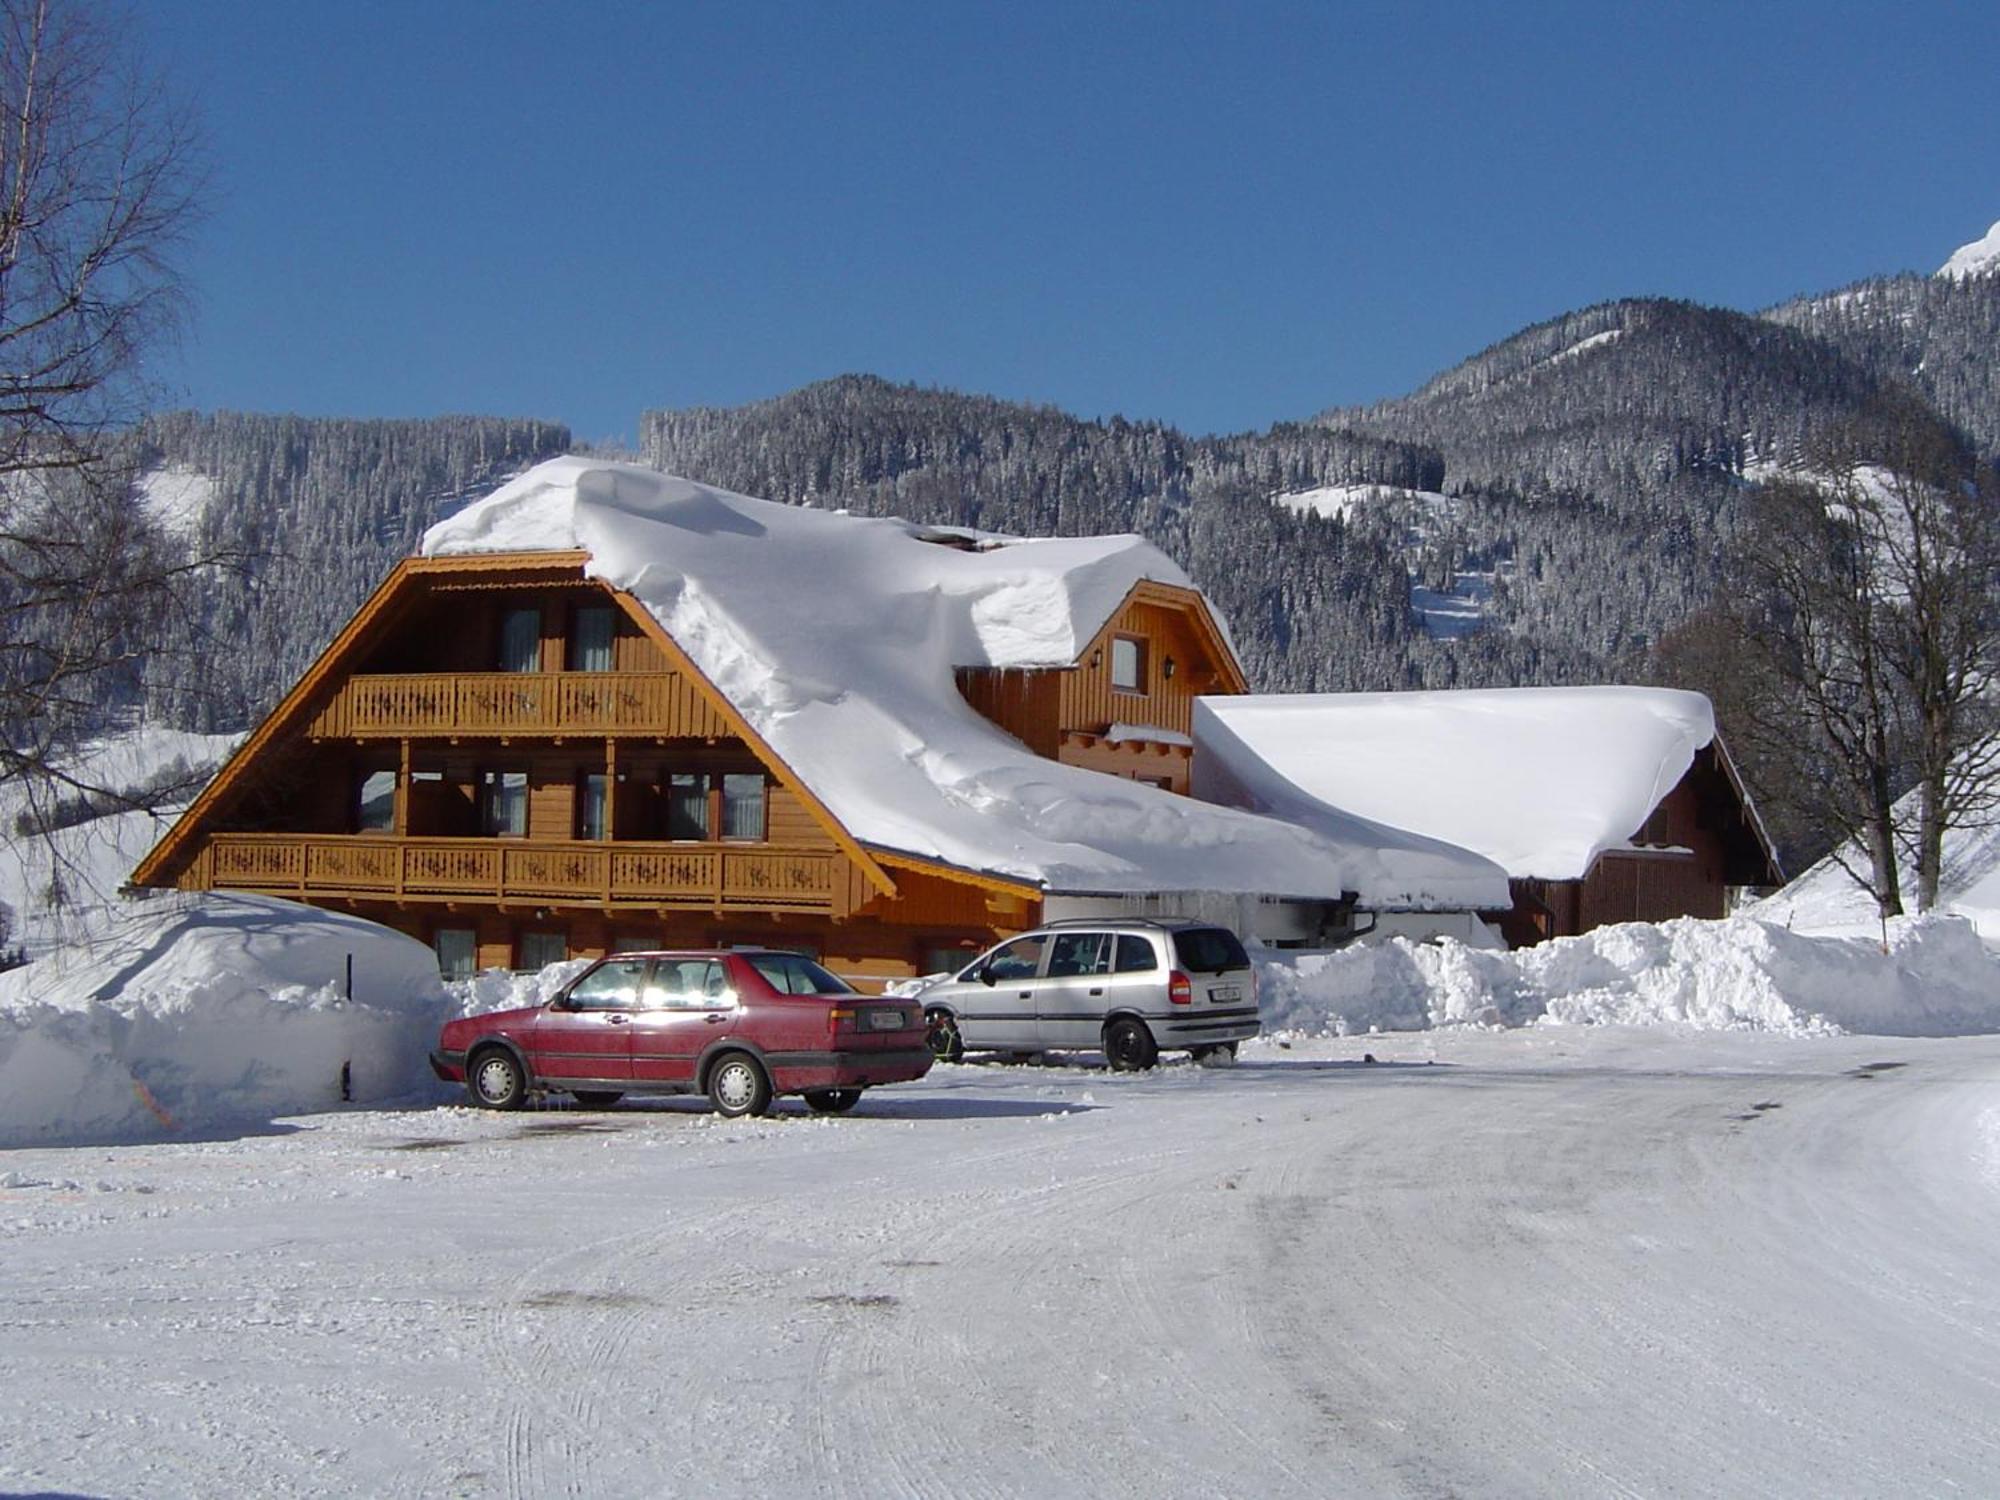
885 1020
1225 992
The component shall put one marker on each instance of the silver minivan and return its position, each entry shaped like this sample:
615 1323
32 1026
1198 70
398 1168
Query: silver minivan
1131 987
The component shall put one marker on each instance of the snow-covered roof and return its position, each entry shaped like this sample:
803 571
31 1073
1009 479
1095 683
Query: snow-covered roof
836 637
1539 780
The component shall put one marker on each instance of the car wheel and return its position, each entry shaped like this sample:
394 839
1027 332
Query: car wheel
737 1086
832 1101
598 1098
1221 1055
941 1031
1128 1046
495 1080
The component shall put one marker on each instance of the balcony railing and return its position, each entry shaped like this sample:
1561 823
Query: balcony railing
418 704
718 877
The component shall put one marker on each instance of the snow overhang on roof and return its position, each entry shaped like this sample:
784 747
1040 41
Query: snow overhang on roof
1539 780
836 637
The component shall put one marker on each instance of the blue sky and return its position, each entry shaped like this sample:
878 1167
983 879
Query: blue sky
1219 216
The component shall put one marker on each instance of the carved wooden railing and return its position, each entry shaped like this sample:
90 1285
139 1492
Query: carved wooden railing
469 703
720 877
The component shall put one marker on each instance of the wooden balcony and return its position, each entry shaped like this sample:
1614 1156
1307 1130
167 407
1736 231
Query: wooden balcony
425 704
711 877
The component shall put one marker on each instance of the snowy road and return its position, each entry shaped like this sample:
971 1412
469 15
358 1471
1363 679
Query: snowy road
1555 1261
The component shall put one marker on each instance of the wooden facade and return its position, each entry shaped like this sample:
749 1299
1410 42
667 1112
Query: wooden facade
1173 653
508 759
1701 840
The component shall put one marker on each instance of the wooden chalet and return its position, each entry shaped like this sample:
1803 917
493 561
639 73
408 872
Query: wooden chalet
1701 841
516 763
1600 804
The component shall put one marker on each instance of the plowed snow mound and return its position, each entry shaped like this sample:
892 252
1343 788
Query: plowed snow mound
194 1014
1734 975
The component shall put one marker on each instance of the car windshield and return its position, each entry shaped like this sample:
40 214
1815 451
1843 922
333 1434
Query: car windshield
1210 950
795 974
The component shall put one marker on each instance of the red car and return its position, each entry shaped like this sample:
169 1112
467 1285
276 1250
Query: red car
741 1026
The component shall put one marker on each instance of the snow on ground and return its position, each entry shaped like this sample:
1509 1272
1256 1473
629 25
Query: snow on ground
1980 258
176 499
1556 1260
1936 979
1826 898
853 686
1341 499
1459 612
91 859
188 1014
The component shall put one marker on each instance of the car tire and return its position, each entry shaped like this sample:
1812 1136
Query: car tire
942 1034
597 1098
1128 1046
832 1101
737 1086
495 1080
1221 1055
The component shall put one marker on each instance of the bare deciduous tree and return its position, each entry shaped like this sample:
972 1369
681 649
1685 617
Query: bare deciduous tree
1866 607
99 184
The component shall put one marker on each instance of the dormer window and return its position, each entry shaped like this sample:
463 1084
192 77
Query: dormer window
1128 664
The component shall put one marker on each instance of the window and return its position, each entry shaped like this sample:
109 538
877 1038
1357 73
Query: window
375 810
1077 953
791 974
592 798
503 804
592 627
610 986
540 949
1020 959
690 984
1128 664
743 805
687 805
700 802
1135 955
457 951
941 960
632 942
1209 950
521 640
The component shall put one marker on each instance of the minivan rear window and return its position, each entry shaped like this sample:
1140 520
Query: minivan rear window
1209 950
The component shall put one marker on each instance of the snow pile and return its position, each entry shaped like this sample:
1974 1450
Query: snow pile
502 989
1734 975
1539 780
191 1014
1980 258
837 638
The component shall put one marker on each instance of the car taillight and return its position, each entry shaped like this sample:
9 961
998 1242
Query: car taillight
1253 986
1179 990
839 1018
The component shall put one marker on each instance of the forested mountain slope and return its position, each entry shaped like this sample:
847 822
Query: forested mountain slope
305 516
1941 334
1314 602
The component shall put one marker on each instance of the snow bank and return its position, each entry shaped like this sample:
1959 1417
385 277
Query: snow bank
1539 780
1826 899
837 638
191 1014
1734 975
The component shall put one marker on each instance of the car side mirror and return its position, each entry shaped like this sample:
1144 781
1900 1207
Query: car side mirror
986 976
